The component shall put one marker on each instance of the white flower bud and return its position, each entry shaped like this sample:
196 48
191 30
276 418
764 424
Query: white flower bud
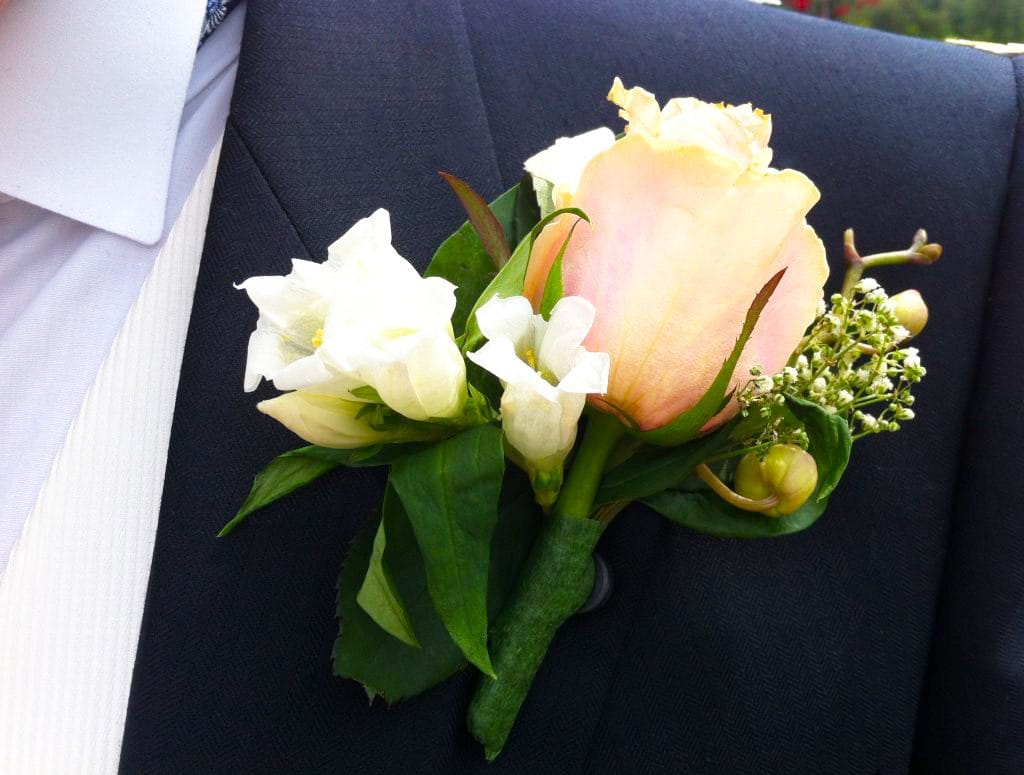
336 422
547 375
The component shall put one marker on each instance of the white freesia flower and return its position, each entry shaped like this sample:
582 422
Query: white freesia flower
364 317
546 373
556 170
336 422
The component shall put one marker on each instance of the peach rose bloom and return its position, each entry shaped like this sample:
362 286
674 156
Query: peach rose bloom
687 223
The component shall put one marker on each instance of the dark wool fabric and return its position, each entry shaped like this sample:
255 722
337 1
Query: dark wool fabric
887 638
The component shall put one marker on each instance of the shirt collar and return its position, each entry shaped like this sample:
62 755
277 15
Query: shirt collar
90 102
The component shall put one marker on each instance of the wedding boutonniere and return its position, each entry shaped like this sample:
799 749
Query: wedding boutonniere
640 319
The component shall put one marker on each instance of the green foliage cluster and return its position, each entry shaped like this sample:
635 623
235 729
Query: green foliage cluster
996 21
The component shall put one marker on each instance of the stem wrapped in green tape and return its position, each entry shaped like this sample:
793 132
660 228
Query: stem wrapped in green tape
556 581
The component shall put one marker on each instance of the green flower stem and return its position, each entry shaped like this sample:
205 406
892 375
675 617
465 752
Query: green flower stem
722 490
919 252
853 274
600 439
555 582
856 270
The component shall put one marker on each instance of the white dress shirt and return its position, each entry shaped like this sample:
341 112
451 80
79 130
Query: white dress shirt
95 104
92 330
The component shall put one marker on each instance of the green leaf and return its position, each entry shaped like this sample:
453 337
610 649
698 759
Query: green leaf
519 521
384 665
379 595
687 425
509 281
653 469
545 196
369 654
553 287
450 492
829 442
299 467
462 260
367 393
525 212
488 228
706 513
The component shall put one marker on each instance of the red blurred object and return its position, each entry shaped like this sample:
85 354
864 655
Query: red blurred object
841 10
801 5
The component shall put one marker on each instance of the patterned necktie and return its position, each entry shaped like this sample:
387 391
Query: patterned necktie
216 12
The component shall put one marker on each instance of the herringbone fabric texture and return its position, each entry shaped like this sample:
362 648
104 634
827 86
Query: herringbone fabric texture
807 654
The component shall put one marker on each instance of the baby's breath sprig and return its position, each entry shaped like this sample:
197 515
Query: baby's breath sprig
854 360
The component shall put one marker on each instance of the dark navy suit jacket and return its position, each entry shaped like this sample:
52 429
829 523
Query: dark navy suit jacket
888 638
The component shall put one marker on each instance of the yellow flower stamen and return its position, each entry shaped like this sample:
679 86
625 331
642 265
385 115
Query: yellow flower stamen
318 338
530 357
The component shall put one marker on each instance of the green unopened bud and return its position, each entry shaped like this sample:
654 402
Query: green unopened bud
786 472
911 311
929 254
546 483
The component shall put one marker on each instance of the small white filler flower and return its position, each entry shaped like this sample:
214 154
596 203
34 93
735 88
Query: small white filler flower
546 374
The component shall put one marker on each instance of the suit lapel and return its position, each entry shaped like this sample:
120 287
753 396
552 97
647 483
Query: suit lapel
336 112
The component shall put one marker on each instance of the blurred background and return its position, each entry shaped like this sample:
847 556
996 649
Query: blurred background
997 21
